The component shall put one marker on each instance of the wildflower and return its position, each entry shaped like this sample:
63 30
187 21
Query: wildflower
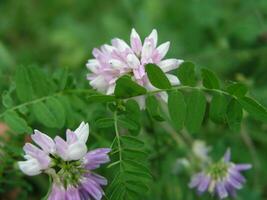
221 179
68 163
113 61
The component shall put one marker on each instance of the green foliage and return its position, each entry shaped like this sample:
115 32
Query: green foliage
157 77
126 88
186 73
196 106
153 108
177 109
210 80
16 123
218 108
234 115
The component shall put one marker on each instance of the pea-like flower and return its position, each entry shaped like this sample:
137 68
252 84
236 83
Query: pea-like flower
68 163
221 179
112 61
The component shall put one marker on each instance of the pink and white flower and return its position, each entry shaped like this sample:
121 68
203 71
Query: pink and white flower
112 61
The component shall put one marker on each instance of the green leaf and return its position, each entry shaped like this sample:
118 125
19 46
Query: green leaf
234 115
41 84
177 109
186 73
133 113
153 108
7 101
237 89
104 122
127 123
101 98
16 123
196 106
24 88
218 108
157 77
210 80
50 113
131 142
254 108
126 88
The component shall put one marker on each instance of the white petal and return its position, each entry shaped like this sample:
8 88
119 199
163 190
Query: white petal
169 64
163 96
99 83
136 42
31 167
111 89
107 48
154 36
93 65
76 151
120 44
82 132
133 61
117 64
173 79
147 51
163 49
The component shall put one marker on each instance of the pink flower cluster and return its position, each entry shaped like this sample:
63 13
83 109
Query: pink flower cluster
112 61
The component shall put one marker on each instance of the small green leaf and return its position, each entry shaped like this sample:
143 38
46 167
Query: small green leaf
130 141
254 108
210 80
234 115
153 108
127 123
196 106
157 77
50 113
101 98
177 109
218 108
237 89
7 101
16 123
104 122
186 73
126 88
24 88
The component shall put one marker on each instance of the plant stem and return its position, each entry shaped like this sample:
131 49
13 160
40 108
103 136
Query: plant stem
117 136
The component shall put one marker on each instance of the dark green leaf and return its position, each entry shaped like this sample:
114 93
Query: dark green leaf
101 98
7 101
50 113
234 115
177 109
153 108
254 108
237 89
196 106
126 88
157 77
186 73
104 122
210 80
24 88
218 108
16 123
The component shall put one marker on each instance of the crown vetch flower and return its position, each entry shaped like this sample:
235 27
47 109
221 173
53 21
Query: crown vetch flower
221 179
68 163
113 61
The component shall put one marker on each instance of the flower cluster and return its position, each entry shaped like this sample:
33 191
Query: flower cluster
221 179
112 61
68 163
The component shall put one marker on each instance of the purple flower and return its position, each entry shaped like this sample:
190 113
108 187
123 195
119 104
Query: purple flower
221 179
68 163
113 61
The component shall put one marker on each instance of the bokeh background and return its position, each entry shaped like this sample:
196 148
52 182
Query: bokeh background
227 36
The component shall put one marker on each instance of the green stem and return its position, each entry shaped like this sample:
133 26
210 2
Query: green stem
118 136
45 98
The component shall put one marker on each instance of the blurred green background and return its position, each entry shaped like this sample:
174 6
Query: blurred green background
227 36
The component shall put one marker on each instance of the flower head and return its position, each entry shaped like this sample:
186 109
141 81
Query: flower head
221 179
68 163
112 61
